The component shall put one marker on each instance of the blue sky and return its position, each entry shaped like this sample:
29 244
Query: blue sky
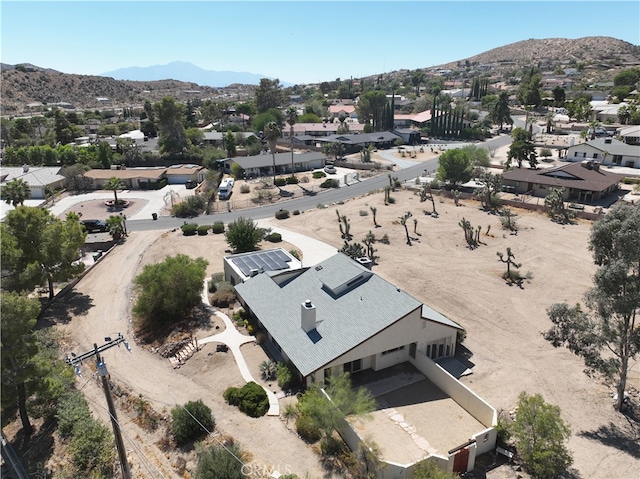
295 41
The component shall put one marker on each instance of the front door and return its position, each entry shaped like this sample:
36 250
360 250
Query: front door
412 350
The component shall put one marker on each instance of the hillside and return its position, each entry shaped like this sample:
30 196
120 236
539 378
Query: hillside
19 87
589 50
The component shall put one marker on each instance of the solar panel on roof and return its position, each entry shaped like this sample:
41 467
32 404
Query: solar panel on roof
264 260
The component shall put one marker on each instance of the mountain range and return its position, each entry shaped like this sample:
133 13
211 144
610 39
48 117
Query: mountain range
188 72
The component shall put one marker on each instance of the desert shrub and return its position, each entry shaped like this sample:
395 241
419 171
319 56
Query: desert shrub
295 253
221 461
251 399
391 200
217 228
331 446
363 212
296 212
203 230
223 298
284 375
189 208
304 179
72 409
240 315
245 188
384 239
189 229
307 429
292 180
319 174
189 422
268 370
91 448
280 182
330 183
282 214
262 196
274 237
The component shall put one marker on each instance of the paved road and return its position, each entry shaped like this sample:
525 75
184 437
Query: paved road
307 202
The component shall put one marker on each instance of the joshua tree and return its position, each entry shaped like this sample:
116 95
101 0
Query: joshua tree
469 235
403 222
508 220
374 210
369 240
510 276
387 195
114 184
415 227
426 194
456 196
345 226
554 201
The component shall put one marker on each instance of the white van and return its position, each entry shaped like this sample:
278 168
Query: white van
225 189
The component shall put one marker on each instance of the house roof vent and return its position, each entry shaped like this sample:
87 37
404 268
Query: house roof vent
607 141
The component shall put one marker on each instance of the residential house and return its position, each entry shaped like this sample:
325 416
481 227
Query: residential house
240 267
418 120
629 134
602 110
262 164
339 316
216 138
607 151
182 174
349 111
584 182
39 178
132 178
319 129
355 143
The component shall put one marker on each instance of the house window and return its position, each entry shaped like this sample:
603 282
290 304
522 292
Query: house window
576 154
389 351
584 155
595 156
353 366
617 159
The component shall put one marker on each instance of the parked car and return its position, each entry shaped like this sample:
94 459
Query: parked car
95 226
330 169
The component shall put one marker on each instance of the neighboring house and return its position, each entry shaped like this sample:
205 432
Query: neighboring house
216 137
419 120
39 178
409 135
355 143
607 151
602 110
132 178
182 174
319 129
629 134
583 182
262 165
238 268
339 316
348 111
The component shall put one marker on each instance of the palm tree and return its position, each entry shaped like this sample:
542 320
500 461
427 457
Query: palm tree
16 192
271 133
114 184
115 224
292 119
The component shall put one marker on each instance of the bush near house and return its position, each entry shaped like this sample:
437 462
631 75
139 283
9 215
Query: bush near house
274 237
319 174
251 399
306 427
282 214
217 228
292 180
203 229
183 425
280 182
189 229
330 183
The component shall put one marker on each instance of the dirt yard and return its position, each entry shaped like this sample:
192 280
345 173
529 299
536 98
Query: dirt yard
503 325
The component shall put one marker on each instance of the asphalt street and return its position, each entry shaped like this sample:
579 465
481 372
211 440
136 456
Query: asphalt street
307 202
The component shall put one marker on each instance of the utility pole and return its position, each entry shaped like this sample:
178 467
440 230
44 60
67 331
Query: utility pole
102 371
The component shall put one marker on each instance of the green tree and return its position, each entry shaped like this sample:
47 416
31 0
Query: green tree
292 119
15 192
558 96
194 136
371 109
243 235
521 148
629 77
579 109
39 248
20 375
169 117
607 337
344 401
191 421
540 435
268 95
230 144
169 289
428 469
221 462
271 133
479 157
76 181
114 184
500 113
454 166
417 79
116 226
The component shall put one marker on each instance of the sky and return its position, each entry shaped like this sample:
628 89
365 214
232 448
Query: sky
295 41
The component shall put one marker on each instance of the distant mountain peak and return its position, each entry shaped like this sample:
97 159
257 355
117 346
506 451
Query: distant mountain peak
185 71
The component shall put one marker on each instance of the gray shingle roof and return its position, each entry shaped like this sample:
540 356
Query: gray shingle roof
343 321
573 175
258 161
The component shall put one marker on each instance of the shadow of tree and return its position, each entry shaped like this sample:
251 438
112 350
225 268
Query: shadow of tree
625 438
62 310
